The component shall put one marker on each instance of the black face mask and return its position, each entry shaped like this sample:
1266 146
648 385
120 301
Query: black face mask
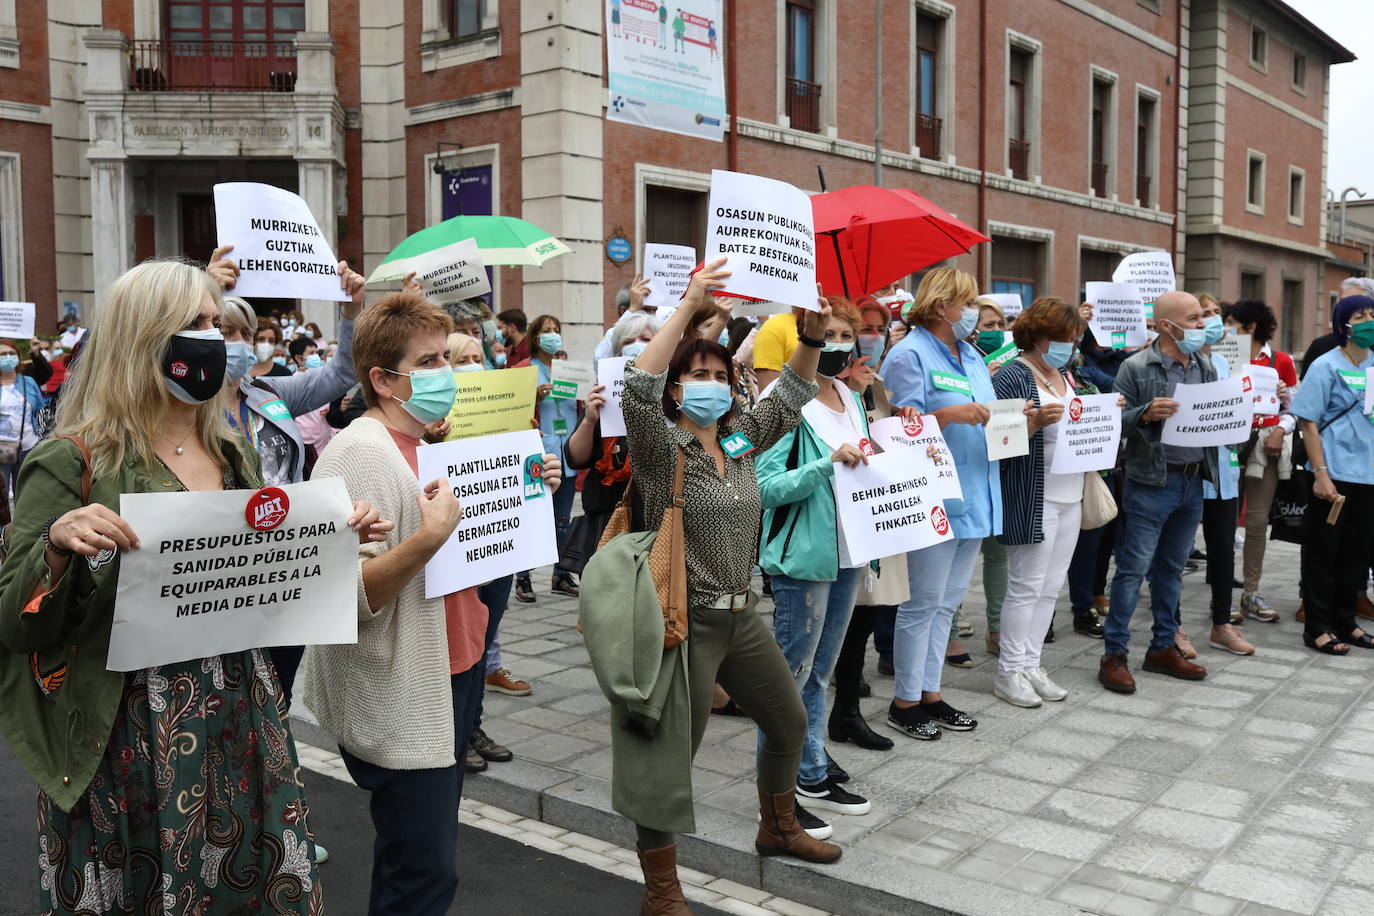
833 362
193 366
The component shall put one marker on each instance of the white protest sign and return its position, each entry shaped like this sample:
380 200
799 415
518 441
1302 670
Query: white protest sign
747 308
507 521
897 434
16 319
1118 315
278 246
667 270
1264 382
452 272
228 570
1151 272
1369 391
765 228
1213 413
1235 348
1011 303
1089 434
610 373
1006 429
890 505
570 379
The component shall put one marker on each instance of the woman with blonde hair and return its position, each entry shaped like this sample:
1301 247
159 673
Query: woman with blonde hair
159 783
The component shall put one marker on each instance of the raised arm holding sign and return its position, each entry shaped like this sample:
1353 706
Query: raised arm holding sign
765 227
451 273
667 270
280 250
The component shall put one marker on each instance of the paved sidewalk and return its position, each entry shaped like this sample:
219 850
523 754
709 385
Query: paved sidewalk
1247 793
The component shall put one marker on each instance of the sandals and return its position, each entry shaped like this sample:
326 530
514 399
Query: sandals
1332 646
964 660
1361 639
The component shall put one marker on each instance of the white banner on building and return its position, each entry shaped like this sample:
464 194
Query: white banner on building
667 270
279 248
1151 272
1213 413
663 65
888 506
766 229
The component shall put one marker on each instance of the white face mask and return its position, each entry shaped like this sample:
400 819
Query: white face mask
262 352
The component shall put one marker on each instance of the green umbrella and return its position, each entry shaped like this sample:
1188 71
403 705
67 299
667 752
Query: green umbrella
501 240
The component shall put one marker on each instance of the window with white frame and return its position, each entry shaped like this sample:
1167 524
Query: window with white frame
1254 182
1102 134
1146 148
1300 71
1023 105
1297 192
1259 46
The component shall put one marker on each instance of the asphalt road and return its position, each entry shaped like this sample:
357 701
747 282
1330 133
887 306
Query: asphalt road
498 875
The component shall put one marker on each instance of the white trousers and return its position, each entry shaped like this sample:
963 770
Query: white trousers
1036 573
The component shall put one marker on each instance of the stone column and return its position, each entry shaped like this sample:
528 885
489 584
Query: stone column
112 223
319 148
317 189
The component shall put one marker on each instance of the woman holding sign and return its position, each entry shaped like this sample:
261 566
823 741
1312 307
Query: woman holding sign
689 382
935 370
1339 435
159 783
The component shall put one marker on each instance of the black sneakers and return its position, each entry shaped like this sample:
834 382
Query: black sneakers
946 716
524 591
912 722
829 796
815 828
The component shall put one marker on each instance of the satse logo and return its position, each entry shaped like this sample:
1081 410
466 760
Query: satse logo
1076 409
913 426
267 509
939 520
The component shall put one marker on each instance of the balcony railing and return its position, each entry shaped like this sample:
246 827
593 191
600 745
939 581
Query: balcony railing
1018 158
1142 189
804 105
1099 179
928 135
223 66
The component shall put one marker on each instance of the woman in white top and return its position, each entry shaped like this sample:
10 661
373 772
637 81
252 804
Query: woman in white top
20 401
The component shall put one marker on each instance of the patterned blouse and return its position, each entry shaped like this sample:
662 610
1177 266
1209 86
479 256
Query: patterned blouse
721 518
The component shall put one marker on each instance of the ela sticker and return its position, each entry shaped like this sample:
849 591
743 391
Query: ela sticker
534 476
737 445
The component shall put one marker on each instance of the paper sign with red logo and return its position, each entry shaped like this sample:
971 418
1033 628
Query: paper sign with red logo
894 434
867 448
229 570
889 506
1088 434
1263 383
1006 431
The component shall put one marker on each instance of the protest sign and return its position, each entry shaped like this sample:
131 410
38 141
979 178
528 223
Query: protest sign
1235 348
571 380
507 524
667 270
765 228
663 66
1264 388
278 246
492 402
228 570
610 374
1213 413
896 434
1006 429
452 272
1012 304
1118 315
1089 434
1150 272
16 320
889 506
1369 391
749 308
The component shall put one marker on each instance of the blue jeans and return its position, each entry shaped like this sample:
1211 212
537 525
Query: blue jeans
496 596
809 621
1154 542
562 517
939 580
11 476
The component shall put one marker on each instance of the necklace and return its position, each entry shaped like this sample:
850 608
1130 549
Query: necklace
179 446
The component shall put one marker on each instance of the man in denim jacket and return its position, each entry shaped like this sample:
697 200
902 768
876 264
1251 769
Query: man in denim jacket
1162 500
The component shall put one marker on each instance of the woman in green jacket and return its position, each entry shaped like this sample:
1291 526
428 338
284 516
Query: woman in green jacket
171 783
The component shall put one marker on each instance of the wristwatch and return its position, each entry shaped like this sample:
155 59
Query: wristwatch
47 539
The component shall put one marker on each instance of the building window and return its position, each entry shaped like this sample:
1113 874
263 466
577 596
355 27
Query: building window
675 216
1291 318
1251 284
1017 267
465 17
1259 47
1300 72
1021 71
1095 266
239 20
1146 131
1297 188
928 123
1254 183
803 86
1103 130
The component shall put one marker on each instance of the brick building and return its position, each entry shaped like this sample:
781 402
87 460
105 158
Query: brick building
1062 128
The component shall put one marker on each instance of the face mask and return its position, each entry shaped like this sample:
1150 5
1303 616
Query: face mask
499 360
58 351
550 342
489 330
1362 333
263 352
1215 329
279 360
835 358
283 322
313 361
1058 355
9 362
724 338
872 346
238 357
991 341
1151 336
193 365
966 323
633 348
705 402
1194 339
469 367
432 392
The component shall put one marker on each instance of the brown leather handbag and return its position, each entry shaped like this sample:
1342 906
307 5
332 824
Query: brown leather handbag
667 558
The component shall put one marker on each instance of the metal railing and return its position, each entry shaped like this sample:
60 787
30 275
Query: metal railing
1099 178
928 135
168 65
1018 158
804 105
1142 188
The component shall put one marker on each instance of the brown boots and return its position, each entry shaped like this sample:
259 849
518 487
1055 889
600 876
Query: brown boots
662 894
781 835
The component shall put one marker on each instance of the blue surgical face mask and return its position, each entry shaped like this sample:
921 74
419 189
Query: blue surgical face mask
469 367
432 392
1215 329
9 362
1058 355
872 346
724 338
966 323
313 361
279 360
705 402
489 330
633 348
550 342
1194 339
238 359
499 360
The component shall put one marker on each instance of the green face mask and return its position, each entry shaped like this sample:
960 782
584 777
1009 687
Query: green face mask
1362 333
990 341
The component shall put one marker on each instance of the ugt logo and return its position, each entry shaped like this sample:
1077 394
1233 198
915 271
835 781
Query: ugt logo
913 426
939 520
1076 409
534 477
267 509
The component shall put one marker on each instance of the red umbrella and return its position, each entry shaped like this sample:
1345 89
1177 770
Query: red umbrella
867 236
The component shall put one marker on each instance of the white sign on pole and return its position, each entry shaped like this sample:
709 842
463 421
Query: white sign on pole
1006 429
1235 348
610 374
16 320
890 505
1264 384
452 272
279 247
1118 315
663 65
1089 434
507 521
667 270
228 570
765 228
897 434
1011 303
570 379
1213 413
1151 272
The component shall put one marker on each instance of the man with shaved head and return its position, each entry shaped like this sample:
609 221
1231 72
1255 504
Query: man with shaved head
1162 500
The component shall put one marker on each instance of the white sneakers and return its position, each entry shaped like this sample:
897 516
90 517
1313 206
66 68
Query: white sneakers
1027 688
1047 689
